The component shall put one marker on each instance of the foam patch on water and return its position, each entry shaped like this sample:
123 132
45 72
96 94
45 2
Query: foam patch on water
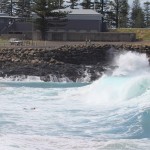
51 78
20 78
112 113
27 142
131 63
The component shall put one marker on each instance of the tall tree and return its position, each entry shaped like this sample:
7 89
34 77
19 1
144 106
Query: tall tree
58 4
97 5
123 14
147 14
61 2
23 8
87 4
137 15
6 6
45 11
72 3
118 13
42 11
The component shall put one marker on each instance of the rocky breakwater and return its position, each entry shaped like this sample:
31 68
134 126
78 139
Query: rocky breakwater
74 63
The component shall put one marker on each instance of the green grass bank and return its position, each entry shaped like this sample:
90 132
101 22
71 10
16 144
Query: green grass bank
141 33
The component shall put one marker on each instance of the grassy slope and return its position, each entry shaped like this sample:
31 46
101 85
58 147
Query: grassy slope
141 33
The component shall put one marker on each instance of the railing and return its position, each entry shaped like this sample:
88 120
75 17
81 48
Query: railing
29 44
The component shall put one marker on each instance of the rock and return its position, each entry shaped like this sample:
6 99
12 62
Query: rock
73 62
35 61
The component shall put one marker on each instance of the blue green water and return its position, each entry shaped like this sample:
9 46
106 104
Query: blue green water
112 113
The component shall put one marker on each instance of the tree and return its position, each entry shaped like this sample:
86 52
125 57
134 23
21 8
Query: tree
123 14
42 10
118 13
6 6
137 15
23 8
58 4
46 14
147 14
73 3
97 5
87 4
101 6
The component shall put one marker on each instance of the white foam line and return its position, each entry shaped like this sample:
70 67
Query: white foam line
36 142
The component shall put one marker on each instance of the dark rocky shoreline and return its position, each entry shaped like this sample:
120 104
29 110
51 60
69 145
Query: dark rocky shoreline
73 62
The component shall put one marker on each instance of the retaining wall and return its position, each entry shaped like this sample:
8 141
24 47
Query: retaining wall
97 36
78 36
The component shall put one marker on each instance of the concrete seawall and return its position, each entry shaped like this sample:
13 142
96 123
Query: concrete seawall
76 36
97 36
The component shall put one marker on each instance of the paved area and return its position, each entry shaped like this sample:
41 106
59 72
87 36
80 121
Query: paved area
56 44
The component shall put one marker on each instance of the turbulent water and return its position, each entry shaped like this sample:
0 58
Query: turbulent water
112 113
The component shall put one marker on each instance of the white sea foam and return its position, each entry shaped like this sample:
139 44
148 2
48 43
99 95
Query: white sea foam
11 142
112 113
86 77
20 78
131 63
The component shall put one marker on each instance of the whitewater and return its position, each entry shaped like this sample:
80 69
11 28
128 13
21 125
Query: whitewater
112 113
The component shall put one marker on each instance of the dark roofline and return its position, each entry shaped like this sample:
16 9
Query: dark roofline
10 17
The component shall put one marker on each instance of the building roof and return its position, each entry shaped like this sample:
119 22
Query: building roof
79 11
82 11
81 14
4 15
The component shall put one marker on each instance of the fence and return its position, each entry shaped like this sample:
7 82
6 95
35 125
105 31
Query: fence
35 39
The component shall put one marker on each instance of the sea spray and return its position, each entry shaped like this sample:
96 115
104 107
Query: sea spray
124 94
131 63
111 113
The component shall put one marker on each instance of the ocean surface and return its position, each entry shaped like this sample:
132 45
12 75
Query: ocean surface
112 113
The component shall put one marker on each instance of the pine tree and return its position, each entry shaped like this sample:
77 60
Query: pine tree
137 15
87 4
73 3
102 8
97 5
41 9
45 12
6 6
23 8
61 2
123 14
147 14
58 4
118 13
